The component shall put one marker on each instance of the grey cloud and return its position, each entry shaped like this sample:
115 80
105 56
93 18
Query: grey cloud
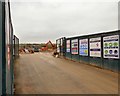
39 22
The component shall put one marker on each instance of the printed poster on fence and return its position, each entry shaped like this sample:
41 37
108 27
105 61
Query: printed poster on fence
58 46
68 46
83 47
74 46
95 47
111 46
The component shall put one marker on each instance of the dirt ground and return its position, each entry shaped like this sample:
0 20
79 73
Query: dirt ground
41 73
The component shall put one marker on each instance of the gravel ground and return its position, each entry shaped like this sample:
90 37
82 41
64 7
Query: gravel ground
41 73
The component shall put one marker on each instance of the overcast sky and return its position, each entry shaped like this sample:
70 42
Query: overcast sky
44 20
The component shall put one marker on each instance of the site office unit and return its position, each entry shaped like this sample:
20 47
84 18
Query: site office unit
6 49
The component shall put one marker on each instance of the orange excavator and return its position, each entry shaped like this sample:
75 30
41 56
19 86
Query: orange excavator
47 46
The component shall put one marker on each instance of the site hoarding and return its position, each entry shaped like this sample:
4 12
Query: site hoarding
111 46
68 46
83 47
74 46
95 47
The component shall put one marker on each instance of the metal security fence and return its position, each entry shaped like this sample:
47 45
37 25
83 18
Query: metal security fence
101 50
6 50
16 47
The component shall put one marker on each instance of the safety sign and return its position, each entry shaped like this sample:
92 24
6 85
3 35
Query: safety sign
83 47
111 46
95 47
74 46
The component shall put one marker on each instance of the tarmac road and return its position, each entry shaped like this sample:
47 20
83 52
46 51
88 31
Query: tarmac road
41 73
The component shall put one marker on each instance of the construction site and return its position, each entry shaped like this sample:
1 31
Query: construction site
84 64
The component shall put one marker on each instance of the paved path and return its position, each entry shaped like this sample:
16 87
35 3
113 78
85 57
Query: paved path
41 73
